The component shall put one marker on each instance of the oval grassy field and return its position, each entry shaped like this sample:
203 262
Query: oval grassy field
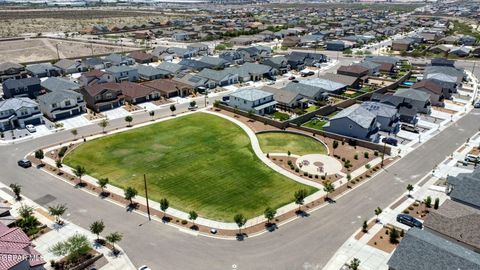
198 162
282 142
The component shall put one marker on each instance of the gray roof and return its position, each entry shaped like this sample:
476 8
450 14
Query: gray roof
281 95
214 61
422 250
466 188
357 114
56 84
383 59
151 71
41 68
250 68
216 75
380 109
449 71
58 96
251 94
118 69
16 104
325 84
457 221
170 67
24 82
368 64
9 65
310 91
412 94
339 78
65 63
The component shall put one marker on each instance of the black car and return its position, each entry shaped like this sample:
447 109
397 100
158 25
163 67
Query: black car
295 81
306 74
409 221
25 163
390 140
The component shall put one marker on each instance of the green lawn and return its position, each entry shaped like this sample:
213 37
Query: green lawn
198 162
311 108
315 124
281 142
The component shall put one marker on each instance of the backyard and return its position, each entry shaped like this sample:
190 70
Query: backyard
282 142
198 162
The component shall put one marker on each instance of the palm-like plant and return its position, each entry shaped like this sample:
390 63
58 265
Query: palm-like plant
113 238
16 189
97 228
57 211
79 172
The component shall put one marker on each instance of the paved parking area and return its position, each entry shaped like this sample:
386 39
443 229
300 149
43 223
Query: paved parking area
116 113
75 122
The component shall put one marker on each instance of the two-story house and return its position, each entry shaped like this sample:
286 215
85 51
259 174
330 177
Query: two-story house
10 70
61 104
103 96
123 73
259 101
387 115
26 87
95 76
19 112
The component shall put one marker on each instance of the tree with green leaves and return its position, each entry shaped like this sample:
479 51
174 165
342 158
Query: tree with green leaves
378 211
335 146
428 201
97 228
240 219
394 235
73 248
16 189
173 108
300 196
79 172
57 211
27 222
130 193
58 163
164 204
113 238
152 114
354 264
365 226
410 189
129 120
74 133
269 214
436 204
104 124
103 182
39 155
193 103
328 187
192 215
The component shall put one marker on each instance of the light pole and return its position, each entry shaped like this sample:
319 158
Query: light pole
383 152
146 196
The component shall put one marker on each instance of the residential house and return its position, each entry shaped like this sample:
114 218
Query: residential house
178 52
287 100
43 70
19 112
325 85
373 68
311 92
387 115
423 250
215 62
95 76
96 63
170 88
338 45
357 71
467 40
194 81
442 62
407 97
457 223
259 101
9 70
180 36
440 49
120 60
291 41
434 89
68 66
218 77
232 57
464 189
200 48
103 96
356 122
256 53
61 104
123 73
172 68
143 57
460 51
279 63
194 65
148 73
350 81
135 93
476 52
252 72
404 44
26 87
17 251
54 84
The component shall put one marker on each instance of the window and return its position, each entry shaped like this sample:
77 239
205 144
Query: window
54 105
350 126
68 103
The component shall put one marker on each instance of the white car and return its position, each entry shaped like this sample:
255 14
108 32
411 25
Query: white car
31 128
144 267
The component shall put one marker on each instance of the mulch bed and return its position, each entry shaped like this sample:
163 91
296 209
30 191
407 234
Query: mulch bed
282 161
381 240
418 210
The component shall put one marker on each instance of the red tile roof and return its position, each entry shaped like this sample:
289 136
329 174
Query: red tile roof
15 247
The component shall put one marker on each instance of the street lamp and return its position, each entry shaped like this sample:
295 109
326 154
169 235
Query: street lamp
146 196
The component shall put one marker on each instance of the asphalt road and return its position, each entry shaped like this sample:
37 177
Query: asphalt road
303 244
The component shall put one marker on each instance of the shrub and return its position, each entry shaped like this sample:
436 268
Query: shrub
406 211
367 166
323 177
62 151
410 208
316 176
416 204
305 174
375 153
436 204
365 155
386 232
355 157
184 222
297 169
394 236
343 159
289 162
402 233
349 177
428 202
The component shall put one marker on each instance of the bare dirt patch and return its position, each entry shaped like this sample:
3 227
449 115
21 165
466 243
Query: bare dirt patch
381 240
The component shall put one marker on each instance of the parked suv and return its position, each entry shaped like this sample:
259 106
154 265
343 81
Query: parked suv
410 128
390 140
25 163
409 221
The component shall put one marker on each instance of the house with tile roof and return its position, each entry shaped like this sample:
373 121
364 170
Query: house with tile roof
24 87
54 84
259 101
9 70
326 85
94 77
287 100
434 89
103 96
19 112
123 73
387 115
61 104
68 66
170 88
464 188
148 73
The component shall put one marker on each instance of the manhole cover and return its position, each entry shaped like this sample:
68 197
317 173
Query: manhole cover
45 199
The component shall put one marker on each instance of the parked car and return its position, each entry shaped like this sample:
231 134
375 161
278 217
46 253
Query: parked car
472 158
291 78
409 221
144 267
477 104
295 81
390 140
193 108
410 128
31 128
24 163
308 73
271 83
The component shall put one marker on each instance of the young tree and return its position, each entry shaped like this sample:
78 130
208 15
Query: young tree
102 182
300 196
129 120
394 235
16 189
152 114
328 187
354 264
365 226
130 193
113 238
335 146
164 204
378 211
74 248
74 133
428 202
436 203
79 172
173 108
58 163
269 214
240 219
97 228
103 124
39 155
192 215
410 189
57 211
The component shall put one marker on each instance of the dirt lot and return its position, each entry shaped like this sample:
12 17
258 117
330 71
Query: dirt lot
45 49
